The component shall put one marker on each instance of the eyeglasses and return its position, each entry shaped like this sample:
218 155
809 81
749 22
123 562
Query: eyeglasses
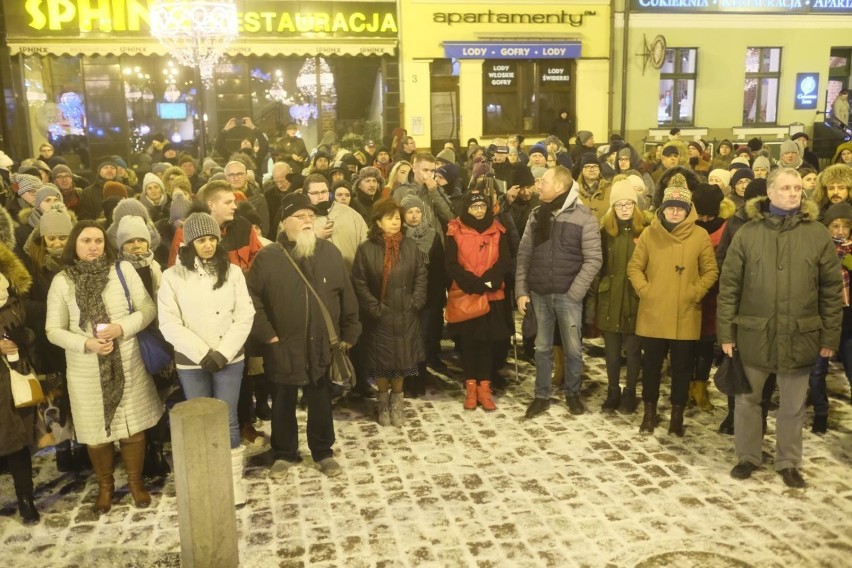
591 167
304 217
479 206
235 175
623 205
318 193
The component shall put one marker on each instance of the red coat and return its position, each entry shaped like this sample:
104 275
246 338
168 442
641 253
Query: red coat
478 252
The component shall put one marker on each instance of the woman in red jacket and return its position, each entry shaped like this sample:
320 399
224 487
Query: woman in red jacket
478 262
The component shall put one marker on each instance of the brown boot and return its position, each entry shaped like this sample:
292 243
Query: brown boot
483 392
698 393
649 420
676 422
102 457
133 455
470 394
558 366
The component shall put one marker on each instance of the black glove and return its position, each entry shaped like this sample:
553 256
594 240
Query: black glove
208 364
219 359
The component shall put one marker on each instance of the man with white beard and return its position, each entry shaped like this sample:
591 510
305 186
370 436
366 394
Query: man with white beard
290 324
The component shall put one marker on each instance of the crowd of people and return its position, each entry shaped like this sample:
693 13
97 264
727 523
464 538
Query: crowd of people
256 266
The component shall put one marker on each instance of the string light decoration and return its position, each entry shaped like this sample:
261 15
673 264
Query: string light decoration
277 93
313 83
197 34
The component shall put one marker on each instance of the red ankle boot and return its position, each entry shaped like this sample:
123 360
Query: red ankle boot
483 391
470 394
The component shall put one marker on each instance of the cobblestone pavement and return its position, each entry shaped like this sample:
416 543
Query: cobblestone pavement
461 488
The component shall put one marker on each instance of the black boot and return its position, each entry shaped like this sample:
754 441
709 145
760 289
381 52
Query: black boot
676 421
27 509
261 396
613 399
155 464
727 425
649 419
820 425
628 401
64 457
82 462
410 386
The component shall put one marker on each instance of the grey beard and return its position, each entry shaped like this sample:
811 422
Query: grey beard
306 244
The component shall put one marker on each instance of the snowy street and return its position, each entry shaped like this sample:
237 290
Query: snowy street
463 488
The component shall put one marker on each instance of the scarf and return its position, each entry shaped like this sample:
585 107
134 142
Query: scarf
34 218
70 197
423 236
138 260
150 204
90 279
544 218
391 258
843 247
782 212
478 225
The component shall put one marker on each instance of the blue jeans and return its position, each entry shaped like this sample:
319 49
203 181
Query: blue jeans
819 393
223 385
548 309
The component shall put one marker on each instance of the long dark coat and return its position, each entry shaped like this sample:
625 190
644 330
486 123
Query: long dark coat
391 338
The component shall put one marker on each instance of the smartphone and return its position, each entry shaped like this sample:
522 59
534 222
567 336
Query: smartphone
240 121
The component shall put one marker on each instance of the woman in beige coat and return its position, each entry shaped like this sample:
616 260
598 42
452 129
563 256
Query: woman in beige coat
671 269
112 395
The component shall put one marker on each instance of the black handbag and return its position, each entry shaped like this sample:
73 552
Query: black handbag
342 371
730 377
156 352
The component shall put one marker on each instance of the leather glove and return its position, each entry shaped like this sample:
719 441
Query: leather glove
219 359
208 364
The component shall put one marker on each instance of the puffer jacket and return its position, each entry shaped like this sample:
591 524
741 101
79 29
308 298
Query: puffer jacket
391 338
195 318
671 272
781 291
140 406
568 261
617 302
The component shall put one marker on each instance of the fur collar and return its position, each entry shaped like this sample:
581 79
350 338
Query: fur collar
757 208
14 270
7 229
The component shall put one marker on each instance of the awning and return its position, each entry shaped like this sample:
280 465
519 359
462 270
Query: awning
512 49
258 47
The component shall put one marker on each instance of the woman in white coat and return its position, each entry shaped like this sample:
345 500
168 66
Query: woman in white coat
206 312
112 395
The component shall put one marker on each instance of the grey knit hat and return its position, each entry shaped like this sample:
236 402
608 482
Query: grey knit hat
23 183
60 169
46 190
410 202
132 227
56 221
199 225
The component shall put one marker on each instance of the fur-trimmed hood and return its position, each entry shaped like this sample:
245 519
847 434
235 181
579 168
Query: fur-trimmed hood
692 181
727 208
14 270
7 229
756 209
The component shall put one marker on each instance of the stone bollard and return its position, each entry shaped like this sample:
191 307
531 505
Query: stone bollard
201 448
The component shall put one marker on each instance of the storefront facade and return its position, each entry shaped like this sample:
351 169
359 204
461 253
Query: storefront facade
88 77
730 69
486 69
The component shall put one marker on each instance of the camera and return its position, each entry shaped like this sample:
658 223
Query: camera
495 149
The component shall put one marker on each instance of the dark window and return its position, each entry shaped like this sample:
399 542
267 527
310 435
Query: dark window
676 105
760 93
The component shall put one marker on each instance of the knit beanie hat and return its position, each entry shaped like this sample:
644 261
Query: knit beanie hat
697 146
670 151
114 188
755 188
538 149
760 162
538 171
842 210
742 149
5 161
160 167
588 159
108 161
742 173
200 225
209 164
152 178
625 152
724 175
790 146
131 227
59 170
410 202
23 183
523 177
446 155
45 191
340 183
56 221
179 208
755 144
184 158
707 199
635 181
130 207
677 194
583 136
480 169
622 190
472 197
727 143
739 163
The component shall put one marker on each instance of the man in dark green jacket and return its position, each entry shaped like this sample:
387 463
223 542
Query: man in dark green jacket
780 304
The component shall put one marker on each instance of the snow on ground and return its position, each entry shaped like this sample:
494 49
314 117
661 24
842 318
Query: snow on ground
461 488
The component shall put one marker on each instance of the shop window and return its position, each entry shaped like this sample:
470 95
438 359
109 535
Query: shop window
760 93
677 88
525 97
839 72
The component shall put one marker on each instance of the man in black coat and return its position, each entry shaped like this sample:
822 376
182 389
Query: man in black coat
290 324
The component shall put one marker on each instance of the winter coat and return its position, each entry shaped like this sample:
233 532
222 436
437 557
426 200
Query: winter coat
17 425
597 199
391 338
520 211
436 204
617 302
349 232
781 291
671 272
140 406
287 309
195 318
567 262
363 203
708 303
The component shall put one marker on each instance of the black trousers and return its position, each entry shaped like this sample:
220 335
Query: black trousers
21 467
285 427
480 359
613 343
682 364
705 352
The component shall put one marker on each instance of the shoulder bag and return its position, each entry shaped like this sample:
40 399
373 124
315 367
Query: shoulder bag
26 389
156 352
342 371
463 307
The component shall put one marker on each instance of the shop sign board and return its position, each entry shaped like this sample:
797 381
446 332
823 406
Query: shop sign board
512 50
807 91
100 19
555 74
500 74
744 6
